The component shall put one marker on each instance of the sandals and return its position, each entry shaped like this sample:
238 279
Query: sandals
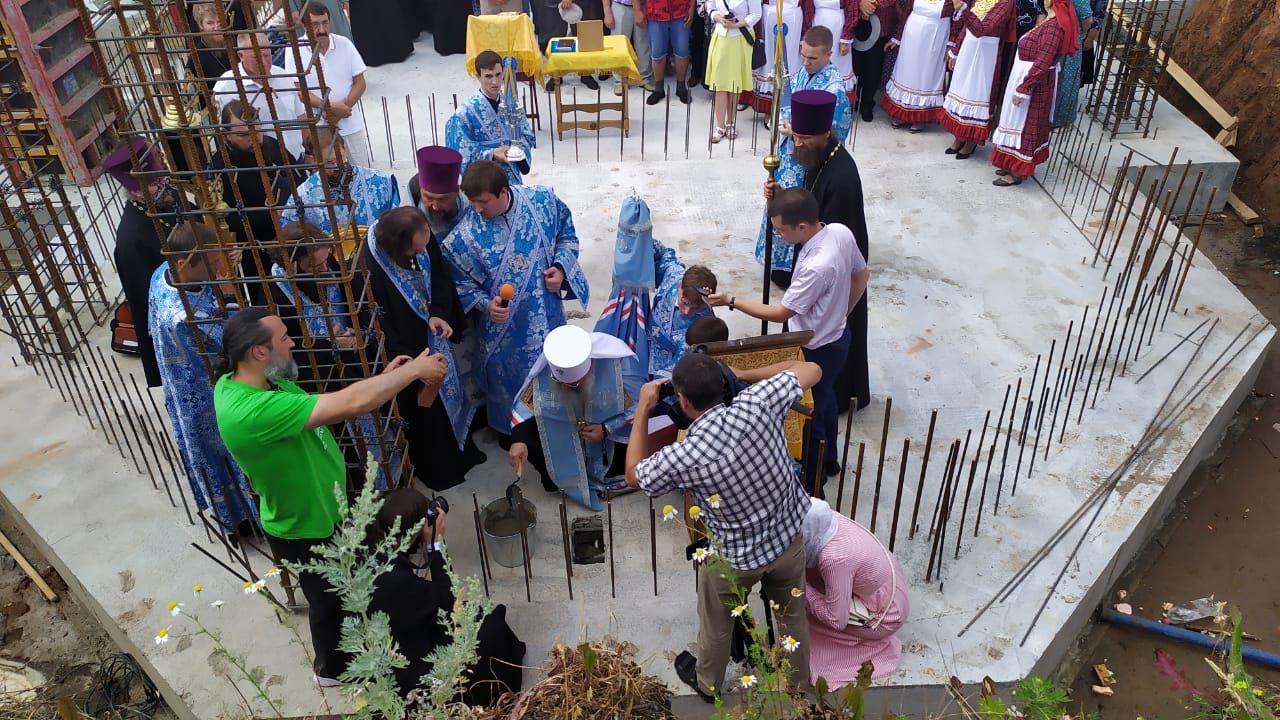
1001 172
717 135
1008 180
914 128
731 131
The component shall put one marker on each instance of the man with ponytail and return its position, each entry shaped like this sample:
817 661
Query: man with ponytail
280 437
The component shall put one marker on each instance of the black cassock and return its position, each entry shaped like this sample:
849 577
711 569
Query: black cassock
838 189
437 461
382 31
137 255
413 606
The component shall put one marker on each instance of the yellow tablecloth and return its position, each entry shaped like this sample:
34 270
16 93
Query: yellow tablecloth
509 35
616 57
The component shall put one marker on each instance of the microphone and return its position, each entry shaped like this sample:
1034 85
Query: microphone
505 293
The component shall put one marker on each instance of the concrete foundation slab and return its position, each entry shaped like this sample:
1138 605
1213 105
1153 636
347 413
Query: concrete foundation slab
969 284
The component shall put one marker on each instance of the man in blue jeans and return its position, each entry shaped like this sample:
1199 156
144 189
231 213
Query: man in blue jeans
669 22
830 277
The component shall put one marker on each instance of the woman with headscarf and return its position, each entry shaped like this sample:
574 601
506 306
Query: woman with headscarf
1069 80
413 605
856 597
1021 139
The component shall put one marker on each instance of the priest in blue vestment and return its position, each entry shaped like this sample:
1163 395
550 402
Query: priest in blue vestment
361 193
180 341
816 73
571 414
491 125
522 236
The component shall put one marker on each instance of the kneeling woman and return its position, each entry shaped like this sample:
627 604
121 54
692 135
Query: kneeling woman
413 605
856 596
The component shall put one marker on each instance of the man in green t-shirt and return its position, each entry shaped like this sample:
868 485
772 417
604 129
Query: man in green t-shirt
279 435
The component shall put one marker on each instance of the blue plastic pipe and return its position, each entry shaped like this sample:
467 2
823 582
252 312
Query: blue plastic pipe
1191 637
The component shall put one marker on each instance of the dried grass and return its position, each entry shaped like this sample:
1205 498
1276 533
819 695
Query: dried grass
599 680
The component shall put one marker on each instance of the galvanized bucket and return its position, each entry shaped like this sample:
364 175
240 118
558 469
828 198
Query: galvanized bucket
501 526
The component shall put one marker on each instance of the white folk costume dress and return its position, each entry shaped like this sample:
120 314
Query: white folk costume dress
831 14
915 89
1021 139
978 33
796 17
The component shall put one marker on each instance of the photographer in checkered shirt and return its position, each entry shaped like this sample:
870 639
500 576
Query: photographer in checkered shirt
738 452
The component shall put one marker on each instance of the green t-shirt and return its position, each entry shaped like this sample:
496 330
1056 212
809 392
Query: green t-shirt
299 475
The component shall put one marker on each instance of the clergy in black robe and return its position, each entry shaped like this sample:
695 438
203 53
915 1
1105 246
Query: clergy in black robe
449 25
832 176
381 31
433 448
413 606
139 238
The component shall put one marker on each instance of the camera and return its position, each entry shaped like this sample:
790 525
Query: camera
671 407
436 506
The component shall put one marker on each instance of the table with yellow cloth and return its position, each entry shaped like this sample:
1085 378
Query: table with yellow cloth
618 58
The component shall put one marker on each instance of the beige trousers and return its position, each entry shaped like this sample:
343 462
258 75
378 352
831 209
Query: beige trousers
715 622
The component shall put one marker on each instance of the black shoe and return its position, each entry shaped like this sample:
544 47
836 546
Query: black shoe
604 75
964 156
551 85
682 92
687 670
656 96
590 82
868 116
831 468
952 150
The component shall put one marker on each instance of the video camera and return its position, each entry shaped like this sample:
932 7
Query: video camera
671 407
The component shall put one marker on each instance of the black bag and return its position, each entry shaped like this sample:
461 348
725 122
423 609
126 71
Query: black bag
758 58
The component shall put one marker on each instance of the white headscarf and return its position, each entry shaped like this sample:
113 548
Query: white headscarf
819 527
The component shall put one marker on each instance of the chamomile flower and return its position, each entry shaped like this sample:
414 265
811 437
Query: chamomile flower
695 512
272 571
748 681
175 608
701 554
252 588
796 592
713 502
162 636
217 604
790 644
737 612
195 589
668 513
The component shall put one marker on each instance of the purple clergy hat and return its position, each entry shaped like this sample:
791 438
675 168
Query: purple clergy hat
119 164
812 111
438 169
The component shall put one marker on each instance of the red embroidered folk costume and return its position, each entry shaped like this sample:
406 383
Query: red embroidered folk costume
977 34
1021 139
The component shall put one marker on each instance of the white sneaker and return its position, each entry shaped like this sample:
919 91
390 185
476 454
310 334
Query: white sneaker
324 682
617 89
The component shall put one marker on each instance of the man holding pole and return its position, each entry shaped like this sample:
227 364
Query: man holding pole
830 278
832 176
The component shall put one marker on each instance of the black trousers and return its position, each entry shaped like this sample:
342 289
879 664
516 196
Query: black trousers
868 65
324 606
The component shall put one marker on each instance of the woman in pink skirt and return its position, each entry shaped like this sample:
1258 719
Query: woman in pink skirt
856 596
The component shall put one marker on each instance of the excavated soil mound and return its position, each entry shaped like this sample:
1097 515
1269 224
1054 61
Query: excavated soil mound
1232 48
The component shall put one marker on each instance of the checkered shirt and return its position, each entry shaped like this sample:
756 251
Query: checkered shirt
739 452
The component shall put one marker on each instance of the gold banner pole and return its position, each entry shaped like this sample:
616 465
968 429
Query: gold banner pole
772 161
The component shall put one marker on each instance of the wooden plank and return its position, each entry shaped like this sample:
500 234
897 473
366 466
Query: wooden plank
1246 213
47 591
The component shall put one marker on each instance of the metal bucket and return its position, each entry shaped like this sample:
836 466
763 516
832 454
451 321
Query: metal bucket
501 526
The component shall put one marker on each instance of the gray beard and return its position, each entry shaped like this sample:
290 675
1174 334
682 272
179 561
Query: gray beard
287 370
